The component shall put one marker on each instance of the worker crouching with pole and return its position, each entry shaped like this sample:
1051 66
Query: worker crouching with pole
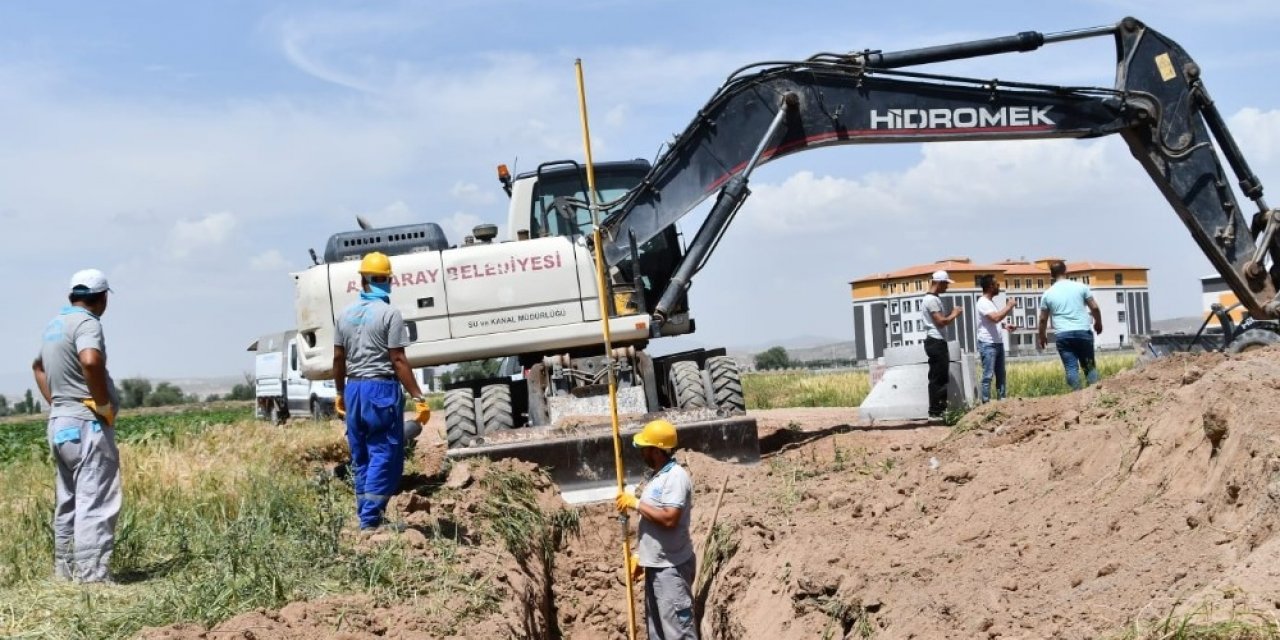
369 366
665 548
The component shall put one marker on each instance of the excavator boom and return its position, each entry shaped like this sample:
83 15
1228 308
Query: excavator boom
1159 105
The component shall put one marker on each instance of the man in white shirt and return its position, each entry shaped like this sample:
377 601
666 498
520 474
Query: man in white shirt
935 342
991 336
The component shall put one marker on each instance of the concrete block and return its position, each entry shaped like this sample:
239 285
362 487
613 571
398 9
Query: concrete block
631 400
903 391
914 354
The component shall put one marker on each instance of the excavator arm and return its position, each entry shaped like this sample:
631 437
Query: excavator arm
1159 105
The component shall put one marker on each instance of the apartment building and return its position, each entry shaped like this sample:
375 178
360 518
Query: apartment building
886 306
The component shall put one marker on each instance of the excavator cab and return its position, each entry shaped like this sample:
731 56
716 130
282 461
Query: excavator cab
558 206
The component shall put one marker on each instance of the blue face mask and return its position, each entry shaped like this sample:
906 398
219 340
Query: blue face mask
379 290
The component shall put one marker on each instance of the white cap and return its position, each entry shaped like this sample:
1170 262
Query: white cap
938 276
89 281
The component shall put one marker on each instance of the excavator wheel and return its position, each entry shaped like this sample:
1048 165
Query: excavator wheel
1253 339
495 408
726 384
460 418
686 384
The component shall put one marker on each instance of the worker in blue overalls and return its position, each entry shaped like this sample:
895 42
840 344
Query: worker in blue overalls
369 367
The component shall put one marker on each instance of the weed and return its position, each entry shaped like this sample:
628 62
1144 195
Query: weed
1239 626
888 464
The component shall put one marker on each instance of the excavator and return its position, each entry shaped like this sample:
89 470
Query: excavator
530 298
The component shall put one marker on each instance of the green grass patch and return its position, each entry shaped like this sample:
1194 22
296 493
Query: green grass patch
26 439
803 389
768 390
1048 378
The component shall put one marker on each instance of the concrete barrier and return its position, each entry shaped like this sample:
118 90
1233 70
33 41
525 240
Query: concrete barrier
900 384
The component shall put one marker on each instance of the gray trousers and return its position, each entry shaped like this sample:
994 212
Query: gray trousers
87 498
668 602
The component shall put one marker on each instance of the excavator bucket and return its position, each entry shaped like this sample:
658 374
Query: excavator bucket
581 459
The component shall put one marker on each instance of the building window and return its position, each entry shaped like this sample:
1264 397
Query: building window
1017 283
919 285
895 327
1086 279
893 307
1120 316
909 342
919 325
1039 283
917 305
1120 297
1017 302
1017 321
1119 279
1031 321
897 344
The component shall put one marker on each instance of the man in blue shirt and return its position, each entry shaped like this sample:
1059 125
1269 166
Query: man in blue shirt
1070 304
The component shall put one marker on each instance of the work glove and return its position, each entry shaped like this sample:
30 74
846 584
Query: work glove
634 570
626 501
340 407
422 409
106 412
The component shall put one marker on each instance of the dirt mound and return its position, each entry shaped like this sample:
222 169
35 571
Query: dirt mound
1064 517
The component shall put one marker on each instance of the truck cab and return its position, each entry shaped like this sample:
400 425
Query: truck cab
280 389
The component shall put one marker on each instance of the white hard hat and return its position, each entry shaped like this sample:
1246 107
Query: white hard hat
89 281
941 276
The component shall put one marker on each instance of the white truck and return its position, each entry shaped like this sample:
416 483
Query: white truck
278 383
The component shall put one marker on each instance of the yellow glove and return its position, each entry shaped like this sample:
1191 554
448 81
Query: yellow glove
424 411
339 407
634 570
626 501
107 412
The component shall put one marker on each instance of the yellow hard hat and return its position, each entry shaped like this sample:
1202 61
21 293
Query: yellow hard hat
375 264
659 433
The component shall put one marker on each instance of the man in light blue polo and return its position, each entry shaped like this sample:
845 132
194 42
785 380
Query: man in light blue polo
71 373
1070 304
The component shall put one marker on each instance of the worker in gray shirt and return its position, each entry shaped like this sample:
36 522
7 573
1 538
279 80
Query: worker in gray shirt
369 366
665 548
71 373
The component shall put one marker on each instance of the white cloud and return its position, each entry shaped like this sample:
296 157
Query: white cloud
1258 134
188 236
271 261
471 193
960 181
394 214
460 224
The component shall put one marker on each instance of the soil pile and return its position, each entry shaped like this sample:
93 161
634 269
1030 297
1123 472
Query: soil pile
1064 517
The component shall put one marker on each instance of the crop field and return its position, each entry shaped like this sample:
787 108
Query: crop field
769 390
222 514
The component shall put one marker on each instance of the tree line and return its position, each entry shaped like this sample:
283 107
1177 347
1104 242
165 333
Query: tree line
778 358
134 393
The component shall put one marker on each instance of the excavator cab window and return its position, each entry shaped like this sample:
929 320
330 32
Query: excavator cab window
570 185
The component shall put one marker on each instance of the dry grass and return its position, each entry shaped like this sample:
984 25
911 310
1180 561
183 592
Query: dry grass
216 522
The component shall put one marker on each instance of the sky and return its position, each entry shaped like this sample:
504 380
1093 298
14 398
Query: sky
194 151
